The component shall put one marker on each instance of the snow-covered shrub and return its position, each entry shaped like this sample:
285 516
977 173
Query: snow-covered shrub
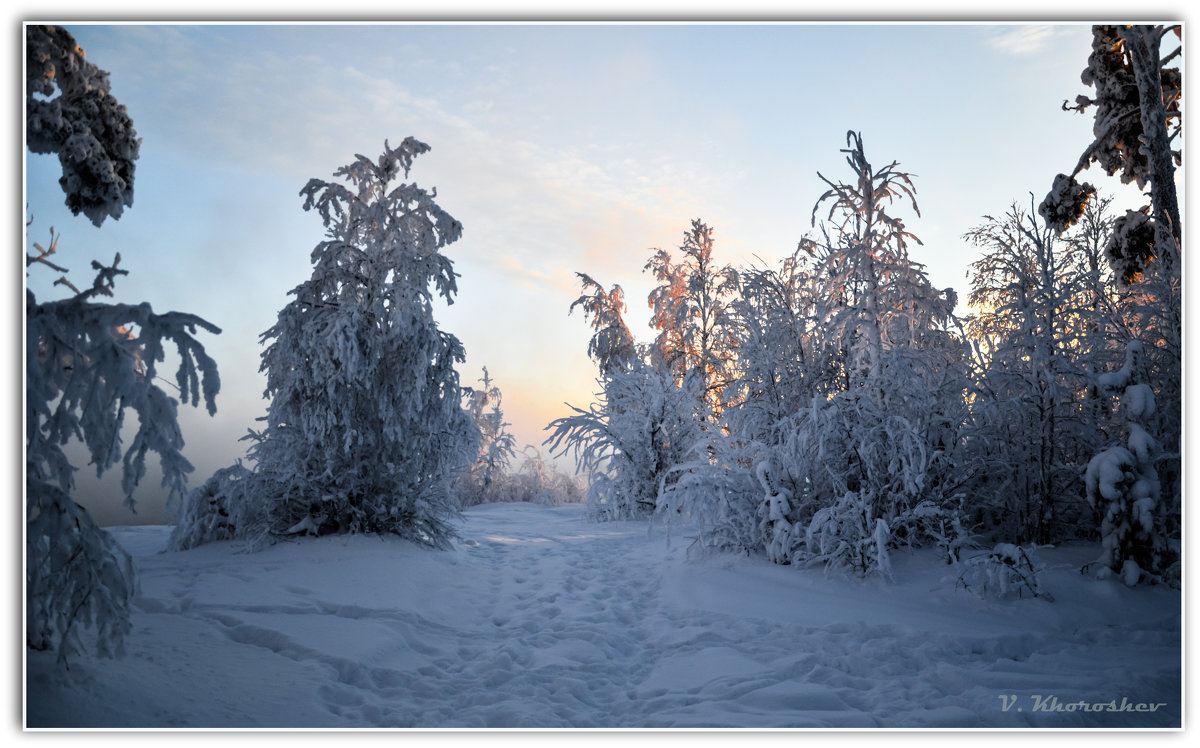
847 537
716 492
216 510
773 525
869 482
847 445
1006 571
943 526
70 111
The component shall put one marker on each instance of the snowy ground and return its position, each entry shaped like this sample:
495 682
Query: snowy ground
539 619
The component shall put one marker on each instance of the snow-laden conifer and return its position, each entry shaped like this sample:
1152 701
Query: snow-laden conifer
1138 116
1123 484
1138 111
365 431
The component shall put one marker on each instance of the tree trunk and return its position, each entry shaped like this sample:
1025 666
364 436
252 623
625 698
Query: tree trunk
1143 45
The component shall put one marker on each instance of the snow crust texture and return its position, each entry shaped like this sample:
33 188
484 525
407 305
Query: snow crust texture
540 619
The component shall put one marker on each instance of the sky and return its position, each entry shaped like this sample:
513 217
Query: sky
561 148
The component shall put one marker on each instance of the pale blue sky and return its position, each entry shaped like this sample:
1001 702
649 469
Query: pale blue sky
561 148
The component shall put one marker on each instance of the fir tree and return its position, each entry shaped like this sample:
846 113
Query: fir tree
365 431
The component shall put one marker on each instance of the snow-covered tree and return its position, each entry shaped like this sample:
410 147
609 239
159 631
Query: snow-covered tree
482 481
1138 114
739 487
70 111
1033 424
82 377
783 357
641 426
365 431
88 365
1106 309
1138 121
868 242
901 391
689 309
611 346
843 419
744 487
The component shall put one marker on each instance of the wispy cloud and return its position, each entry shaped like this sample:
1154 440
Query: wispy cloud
1024 40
